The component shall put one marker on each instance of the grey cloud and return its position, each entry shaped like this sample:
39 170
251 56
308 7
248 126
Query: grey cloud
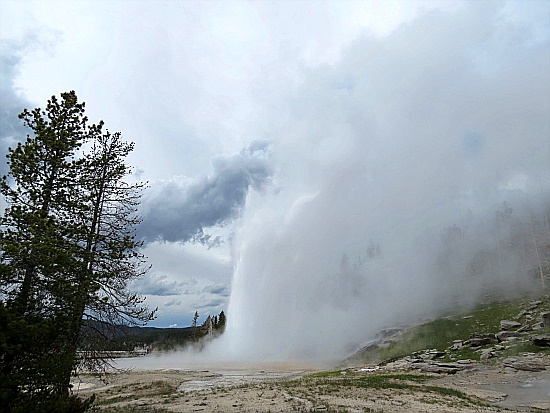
160 285
173 302
216 302
221 290
11 103
176 211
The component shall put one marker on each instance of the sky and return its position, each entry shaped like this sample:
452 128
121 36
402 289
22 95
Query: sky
277 136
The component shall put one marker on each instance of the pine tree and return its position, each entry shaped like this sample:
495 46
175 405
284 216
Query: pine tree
221 321
37 261
194 323
40 191
67 248
110 252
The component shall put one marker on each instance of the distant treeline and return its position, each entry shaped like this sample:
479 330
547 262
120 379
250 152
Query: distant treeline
511 248
126 338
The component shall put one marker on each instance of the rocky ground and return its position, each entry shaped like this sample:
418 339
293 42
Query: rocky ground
497 376
474 387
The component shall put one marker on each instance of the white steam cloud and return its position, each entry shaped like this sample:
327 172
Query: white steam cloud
407 135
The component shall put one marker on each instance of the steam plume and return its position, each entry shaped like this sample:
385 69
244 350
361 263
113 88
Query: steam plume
435 125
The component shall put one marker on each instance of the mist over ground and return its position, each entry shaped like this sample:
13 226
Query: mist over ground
387 205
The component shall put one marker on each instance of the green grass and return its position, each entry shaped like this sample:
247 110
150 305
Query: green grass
159 388
156 388
418 378
404 382
524 348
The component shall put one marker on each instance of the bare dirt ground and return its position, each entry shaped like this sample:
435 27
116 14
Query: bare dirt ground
485 387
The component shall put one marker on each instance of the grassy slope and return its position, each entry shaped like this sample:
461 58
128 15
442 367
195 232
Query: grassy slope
440 334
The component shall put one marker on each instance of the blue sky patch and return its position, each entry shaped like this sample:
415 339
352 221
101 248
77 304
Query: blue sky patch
472 143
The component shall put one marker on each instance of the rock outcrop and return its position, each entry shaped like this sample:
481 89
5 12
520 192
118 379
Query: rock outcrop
527 362
541 340
509 325
477 340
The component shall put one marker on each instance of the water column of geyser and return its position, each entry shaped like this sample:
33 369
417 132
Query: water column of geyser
317 272
384 150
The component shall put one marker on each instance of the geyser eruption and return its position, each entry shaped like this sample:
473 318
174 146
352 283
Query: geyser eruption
408 135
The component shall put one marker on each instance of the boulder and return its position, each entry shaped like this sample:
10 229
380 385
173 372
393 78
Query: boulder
432 354
401 364
487 354
533 305
528 311
478 340
541 340
457 346
436 367
389 332
526 364
509 325
537 326
524 328
504 335
545 318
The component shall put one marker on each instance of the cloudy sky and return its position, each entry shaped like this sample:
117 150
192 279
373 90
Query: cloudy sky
254 117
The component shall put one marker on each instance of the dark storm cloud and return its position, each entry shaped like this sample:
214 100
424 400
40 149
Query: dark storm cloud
178 212
11 104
